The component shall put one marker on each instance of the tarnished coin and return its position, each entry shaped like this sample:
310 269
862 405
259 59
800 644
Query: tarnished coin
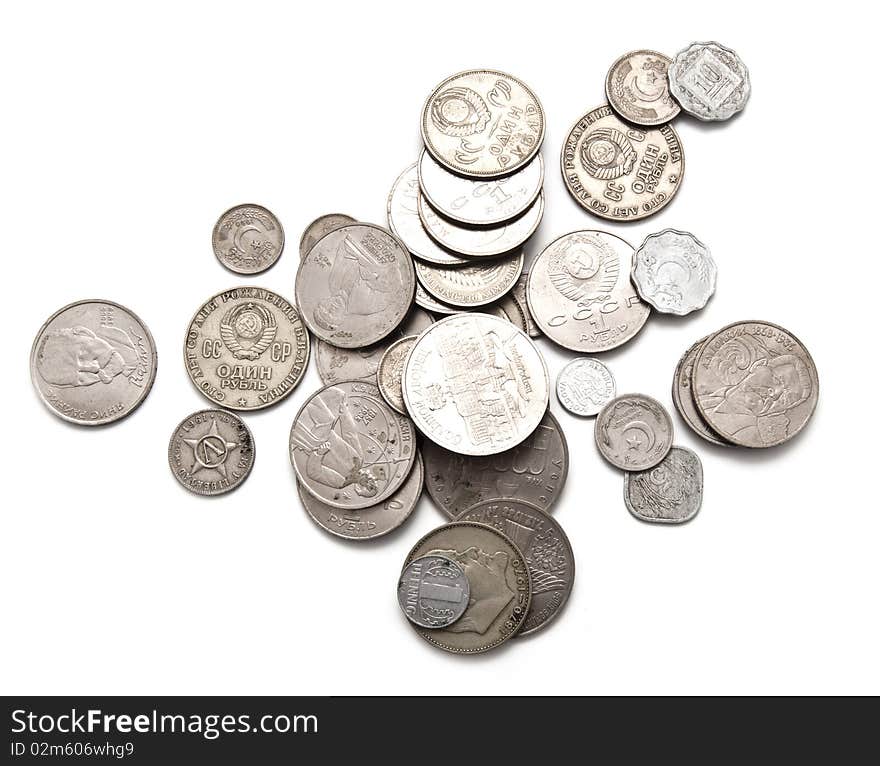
580 293
535 471
470 286
518 293
390 374
674 272
634 432
338 364
669 493
482 123
484 202
430 303
355 286
367 523
404 221
211 452
619 172
584 386
349 449
93 362
637 88
433 591
475 384
486 241
544 546
709 81
319 227
248 239
501 589
246 348
682 395
755 384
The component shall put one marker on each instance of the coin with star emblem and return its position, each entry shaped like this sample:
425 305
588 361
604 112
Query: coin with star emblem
634 432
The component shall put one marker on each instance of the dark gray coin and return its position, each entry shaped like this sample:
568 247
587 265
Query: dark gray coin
709 81
637 88
319 227
669 493
682 395
390 374
433 592
248 239
633 432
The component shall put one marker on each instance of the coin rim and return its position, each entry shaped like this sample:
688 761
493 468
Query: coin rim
623 467
467 593
461 306
641 123
413 339
711 437
240 272
309 225
626 498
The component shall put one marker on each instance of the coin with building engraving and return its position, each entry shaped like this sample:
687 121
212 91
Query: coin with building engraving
633 432
682 395
470 286
637 88
319 227
390 374
584 386
433 591
669 493
710 82
248 239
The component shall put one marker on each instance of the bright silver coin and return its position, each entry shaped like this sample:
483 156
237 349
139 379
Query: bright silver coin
683 398
390 374
709 81
433 591
637 88
430 303
248 239
584 386
669 493
319 227
471 286
633 432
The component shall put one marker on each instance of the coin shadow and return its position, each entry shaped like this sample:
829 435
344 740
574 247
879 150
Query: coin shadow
708 126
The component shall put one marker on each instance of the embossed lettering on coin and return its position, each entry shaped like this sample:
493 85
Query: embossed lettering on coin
709 81
585 386
669 493
470 286
433 591
390 375
319 227
638 90
430 303
248 239
633 432
683 398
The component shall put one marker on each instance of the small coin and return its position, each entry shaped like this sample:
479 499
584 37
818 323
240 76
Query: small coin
211 452
674 272
755 384
633 432
484 242
433 591
584 386
93 362
518 293
544 546
535 471
430 303
248 239
319 227
669 493
470 286
390 374
355 286
349 449
709 81
246 348
682 395
485 202
482 123
580 294
368 523
637 88
619 172
501 589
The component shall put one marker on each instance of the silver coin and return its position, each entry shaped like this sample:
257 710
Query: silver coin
429 303
518 293
637 88
484 242
338 364
367 523
514 312
93 362
501 589
404 221
349 449
755 384
484 202
246 348
709 81
497 311
634 432
535 471
433 591
355 286
669 493
475 384
319 227
211 452
546 549
390 374
248 239
580 293
584 386
482 123
674 272
620 172
470 286
682 395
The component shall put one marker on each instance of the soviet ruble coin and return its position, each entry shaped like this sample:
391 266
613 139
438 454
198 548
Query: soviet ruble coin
633 432
390 374
428 302
248 239
584 386
669 493
682 395
468 287
433 591
319 227
638 90
709 81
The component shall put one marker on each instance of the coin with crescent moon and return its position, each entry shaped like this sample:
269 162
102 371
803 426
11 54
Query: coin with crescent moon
248 239
633 432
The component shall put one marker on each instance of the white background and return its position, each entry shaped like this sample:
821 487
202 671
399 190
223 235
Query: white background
128 129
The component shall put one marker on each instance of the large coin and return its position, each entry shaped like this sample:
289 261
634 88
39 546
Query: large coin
390 374
482 123
633 432
669 493
617 171
246 348
355 286
433 591
637 88
500 586
349 449
470 286
248 239
709 81
319 227
584 386
534 471
211 452
93 362
484 202
682 395
430 303
755 384
545 547
580 293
